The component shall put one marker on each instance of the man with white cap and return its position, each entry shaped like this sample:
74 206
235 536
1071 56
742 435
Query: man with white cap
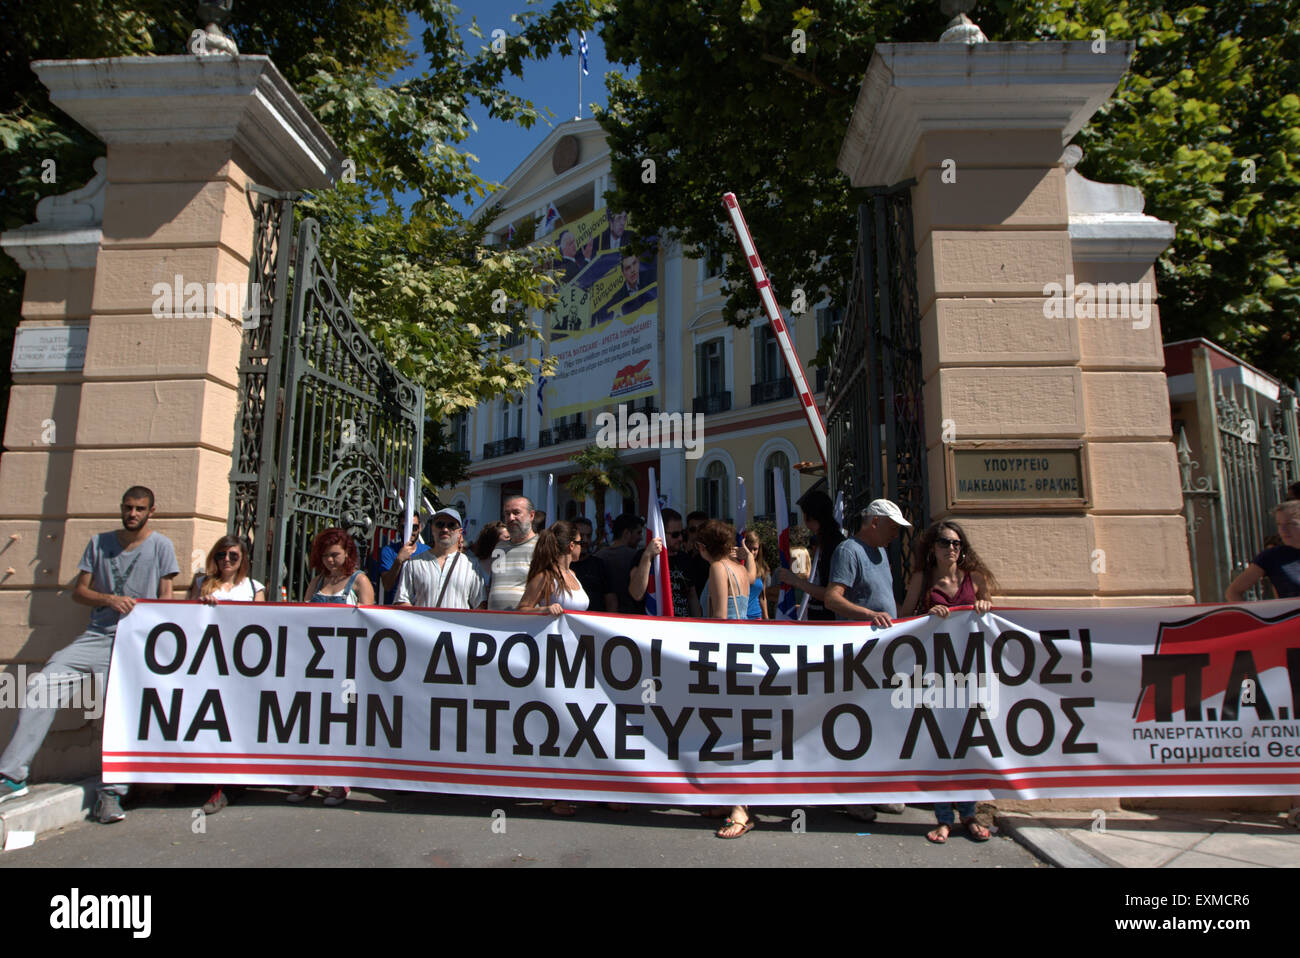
444 577
861 586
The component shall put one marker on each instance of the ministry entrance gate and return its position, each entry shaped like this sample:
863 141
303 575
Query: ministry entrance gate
327 430
874 416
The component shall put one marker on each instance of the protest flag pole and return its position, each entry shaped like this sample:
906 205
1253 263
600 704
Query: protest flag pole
785 605
550 499
659 590
779 329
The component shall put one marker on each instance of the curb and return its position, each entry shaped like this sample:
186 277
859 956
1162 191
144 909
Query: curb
1048 843
45 808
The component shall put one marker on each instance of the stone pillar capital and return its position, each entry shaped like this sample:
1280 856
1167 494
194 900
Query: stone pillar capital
187 99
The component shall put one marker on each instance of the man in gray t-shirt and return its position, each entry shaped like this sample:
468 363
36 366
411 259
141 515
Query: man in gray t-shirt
116 569
861 584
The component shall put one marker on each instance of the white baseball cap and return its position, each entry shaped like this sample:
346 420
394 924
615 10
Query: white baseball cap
446 512
883 507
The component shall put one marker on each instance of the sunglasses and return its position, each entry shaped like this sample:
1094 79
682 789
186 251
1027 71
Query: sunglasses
445 525
948 543
231 554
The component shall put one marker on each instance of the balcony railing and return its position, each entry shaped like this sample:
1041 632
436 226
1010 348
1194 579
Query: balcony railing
771 391
565 433
503 447
716 402
646 406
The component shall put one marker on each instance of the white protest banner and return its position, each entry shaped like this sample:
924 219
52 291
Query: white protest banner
1191 700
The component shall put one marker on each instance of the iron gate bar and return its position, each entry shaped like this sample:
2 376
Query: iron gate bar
261 372
875 416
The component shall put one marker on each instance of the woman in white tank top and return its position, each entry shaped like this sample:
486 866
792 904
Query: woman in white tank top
550 577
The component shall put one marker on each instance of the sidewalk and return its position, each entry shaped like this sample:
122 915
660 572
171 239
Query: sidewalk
1163 839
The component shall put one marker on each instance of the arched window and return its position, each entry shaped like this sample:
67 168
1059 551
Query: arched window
777 460
712 492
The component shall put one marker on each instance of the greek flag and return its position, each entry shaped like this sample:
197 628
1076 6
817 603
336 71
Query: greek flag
541 384
582 49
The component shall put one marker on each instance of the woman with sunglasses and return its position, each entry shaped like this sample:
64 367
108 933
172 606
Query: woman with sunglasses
947 572
225 578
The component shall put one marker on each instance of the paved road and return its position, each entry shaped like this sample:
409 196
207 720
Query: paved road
420 829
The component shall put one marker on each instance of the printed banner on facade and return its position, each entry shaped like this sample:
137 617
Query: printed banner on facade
604 330
1194 700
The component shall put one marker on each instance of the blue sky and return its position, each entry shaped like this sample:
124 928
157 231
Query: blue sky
551 84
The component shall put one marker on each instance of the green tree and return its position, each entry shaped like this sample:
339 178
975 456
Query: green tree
1211 87
433 296
600 470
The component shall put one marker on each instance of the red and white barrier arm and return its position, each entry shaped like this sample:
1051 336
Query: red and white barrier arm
764 287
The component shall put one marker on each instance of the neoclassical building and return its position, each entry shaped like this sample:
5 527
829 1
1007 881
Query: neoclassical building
694 363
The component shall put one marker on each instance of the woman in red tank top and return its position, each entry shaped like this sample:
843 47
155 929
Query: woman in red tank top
947 572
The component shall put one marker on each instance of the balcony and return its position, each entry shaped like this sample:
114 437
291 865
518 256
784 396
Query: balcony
771 391
503 447
565 433
715 402
647 406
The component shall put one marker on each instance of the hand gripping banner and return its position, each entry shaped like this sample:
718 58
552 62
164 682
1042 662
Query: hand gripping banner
1191 700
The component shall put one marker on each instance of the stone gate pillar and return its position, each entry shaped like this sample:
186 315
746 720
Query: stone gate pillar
1046 418
126 361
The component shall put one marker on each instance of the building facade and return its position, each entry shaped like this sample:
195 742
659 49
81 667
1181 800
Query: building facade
732 382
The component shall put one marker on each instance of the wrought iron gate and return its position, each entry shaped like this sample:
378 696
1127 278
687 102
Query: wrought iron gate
327 431
874 417
1250 450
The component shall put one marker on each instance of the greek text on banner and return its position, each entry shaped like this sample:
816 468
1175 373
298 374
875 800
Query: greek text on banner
1193 700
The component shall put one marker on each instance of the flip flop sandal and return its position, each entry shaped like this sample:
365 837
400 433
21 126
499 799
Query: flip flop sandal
971 824
745 827
942 839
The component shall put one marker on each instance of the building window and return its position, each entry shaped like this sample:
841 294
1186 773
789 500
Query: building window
777 460
711 491
460 432
768 365
829 321
711 262
512 419
710 368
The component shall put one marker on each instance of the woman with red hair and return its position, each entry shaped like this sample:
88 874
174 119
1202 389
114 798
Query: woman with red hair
334 556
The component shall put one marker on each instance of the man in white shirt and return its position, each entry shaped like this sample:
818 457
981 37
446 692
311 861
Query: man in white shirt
444 577
511 559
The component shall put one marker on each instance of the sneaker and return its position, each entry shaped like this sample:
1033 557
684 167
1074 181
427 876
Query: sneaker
863 813
895 808
300 794
11 789
108 808
215 803
337 795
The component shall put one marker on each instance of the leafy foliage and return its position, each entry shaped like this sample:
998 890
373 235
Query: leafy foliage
425 287
599 470
1211 86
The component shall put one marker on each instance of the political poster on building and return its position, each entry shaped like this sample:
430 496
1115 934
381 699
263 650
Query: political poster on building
1193 700
604 332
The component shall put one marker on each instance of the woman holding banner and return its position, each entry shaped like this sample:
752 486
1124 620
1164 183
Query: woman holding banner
553 589
762 579
552 586
726 596
334 556
225 578
947 572
819 517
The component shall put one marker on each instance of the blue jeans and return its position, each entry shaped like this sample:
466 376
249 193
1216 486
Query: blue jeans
943 811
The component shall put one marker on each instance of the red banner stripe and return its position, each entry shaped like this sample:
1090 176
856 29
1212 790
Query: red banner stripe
722 788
